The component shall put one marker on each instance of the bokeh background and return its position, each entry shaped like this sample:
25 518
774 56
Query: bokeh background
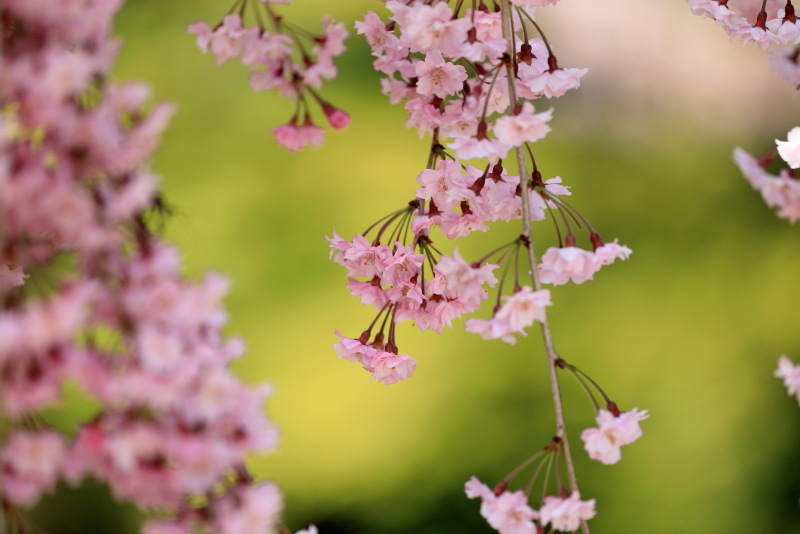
689 328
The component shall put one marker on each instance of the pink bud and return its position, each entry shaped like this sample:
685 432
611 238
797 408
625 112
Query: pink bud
337 118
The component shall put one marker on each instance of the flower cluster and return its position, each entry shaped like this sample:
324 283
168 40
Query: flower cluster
394 281
765 23
469 76
279 61
91 295
509 512
781 35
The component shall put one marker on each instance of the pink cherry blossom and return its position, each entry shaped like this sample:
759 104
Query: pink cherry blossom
475 147
379 38
790 374
533 3
445 185
516 314
507 513
30 464
553 84
430 28
525 127
389 368
203 33
295 137
362 258
337 118
603 443
461 279
439 77
10 278
782 191
369 292
165 527
566 513
255 509
784 61
789 150
157 438
402 265
562 264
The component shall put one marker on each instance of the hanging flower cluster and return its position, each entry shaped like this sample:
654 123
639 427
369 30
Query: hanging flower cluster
509 512
776 28
90 294
469 75
781 191
770 24
450 67
790 374
287 59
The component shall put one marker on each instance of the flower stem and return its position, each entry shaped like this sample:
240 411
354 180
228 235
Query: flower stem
525 184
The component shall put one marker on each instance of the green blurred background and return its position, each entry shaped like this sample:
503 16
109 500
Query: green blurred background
689 328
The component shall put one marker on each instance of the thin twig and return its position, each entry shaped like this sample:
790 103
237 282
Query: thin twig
525 185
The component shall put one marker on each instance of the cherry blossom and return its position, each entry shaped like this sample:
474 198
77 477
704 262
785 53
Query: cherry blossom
790 373
295 137
278 60
439 77
507 513
614 431
749 21
562 264
566 513
514 316
171 423
524 127
30 464
781 191
789 150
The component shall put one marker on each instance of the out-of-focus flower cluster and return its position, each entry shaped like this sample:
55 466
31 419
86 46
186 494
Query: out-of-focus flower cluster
776 28
279 60
790 374
781 191
90 295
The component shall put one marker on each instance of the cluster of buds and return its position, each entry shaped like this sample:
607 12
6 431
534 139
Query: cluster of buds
279 60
